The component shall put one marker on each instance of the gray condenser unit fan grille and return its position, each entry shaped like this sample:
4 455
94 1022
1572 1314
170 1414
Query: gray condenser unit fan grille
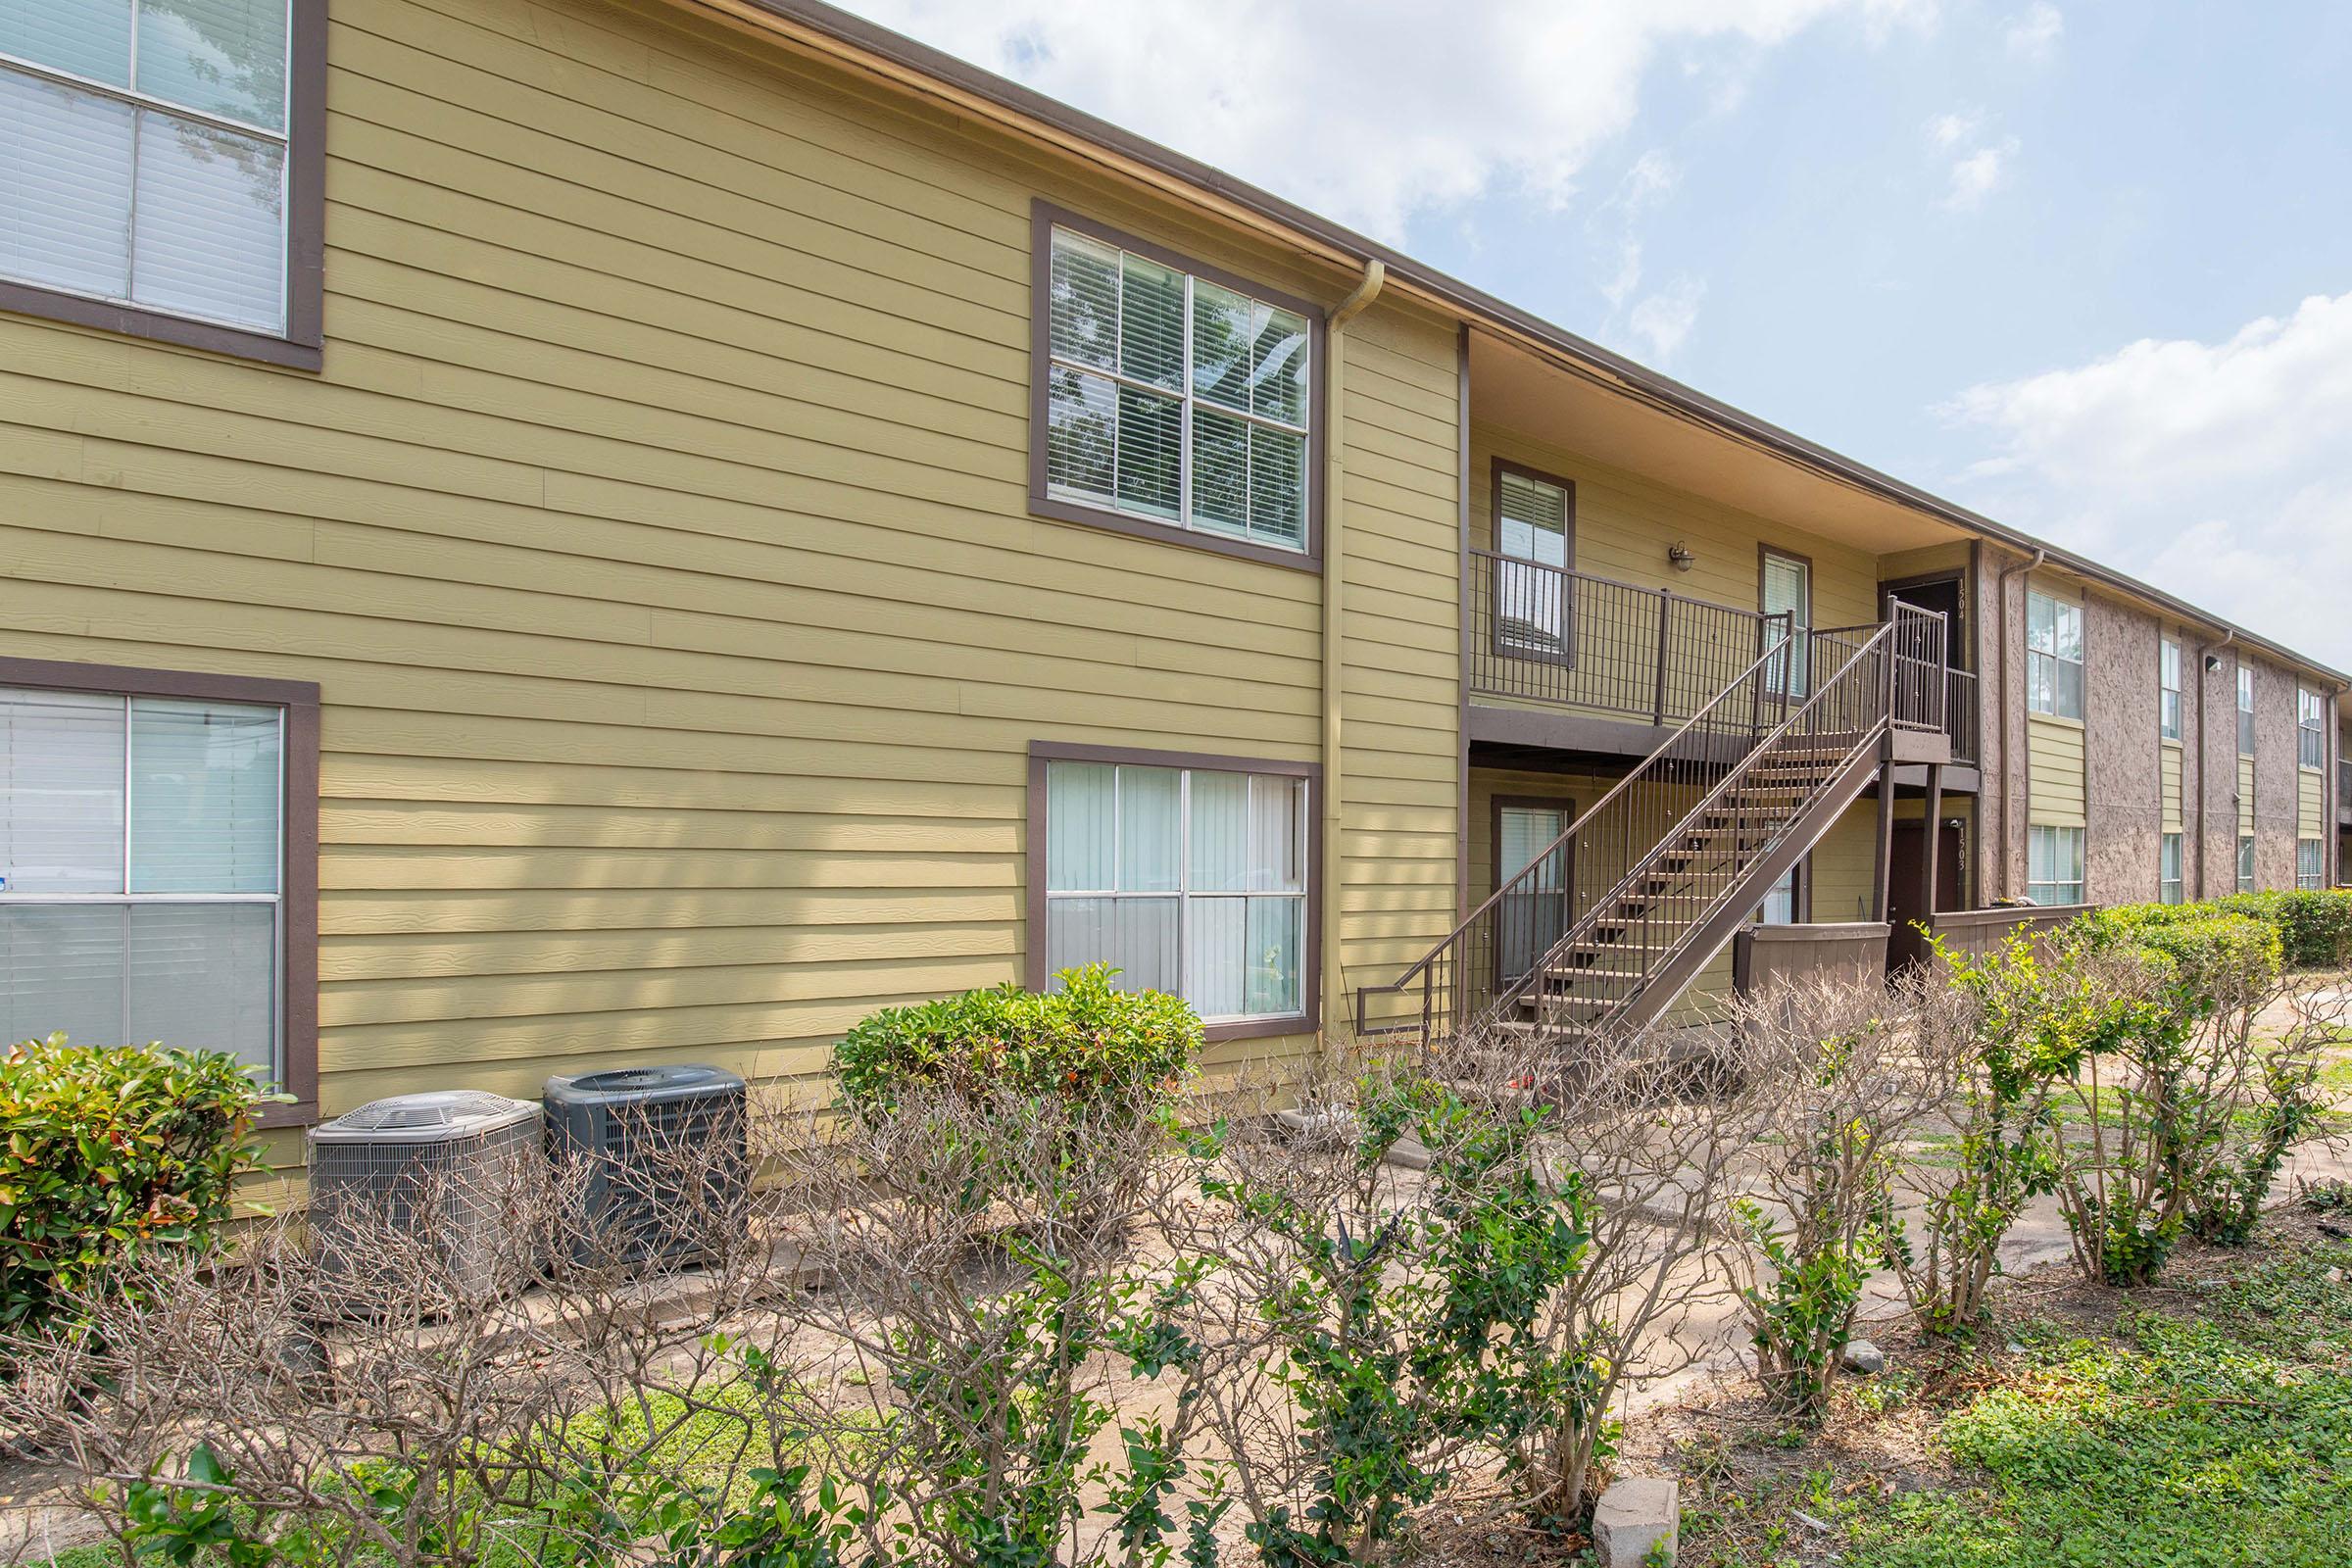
664 1156
449 1170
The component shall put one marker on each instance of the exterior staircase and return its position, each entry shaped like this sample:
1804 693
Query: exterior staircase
1610 923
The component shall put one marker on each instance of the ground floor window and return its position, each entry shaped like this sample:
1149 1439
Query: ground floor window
2171 886
152 861
1187 877
2054 864
1783 903
2245 863
2311 863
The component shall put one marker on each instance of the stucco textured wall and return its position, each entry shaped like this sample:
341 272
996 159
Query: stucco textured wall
2274 782
2125 800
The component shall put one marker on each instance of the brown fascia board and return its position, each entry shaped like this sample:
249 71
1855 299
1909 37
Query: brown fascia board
1062 122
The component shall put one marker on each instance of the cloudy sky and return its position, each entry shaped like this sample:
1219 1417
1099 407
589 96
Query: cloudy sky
2084 264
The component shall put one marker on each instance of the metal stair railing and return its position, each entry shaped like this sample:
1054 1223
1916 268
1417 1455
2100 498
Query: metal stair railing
1677 848
1465 975
1703 872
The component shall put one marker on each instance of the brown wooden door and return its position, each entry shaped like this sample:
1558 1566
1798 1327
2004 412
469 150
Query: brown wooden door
1904 945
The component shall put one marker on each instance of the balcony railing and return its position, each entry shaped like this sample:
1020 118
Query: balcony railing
1557 637
1547 635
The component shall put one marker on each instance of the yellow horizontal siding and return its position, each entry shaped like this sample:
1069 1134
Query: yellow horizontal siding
657 532
2168 763
2311 804
2054 776
2246 795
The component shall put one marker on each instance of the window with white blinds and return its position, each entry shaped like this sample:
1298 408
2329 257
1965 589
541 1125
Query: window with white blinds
2053 865
141 870
1532 521
1788 589
2053 656
143 153
1186 880
1173 398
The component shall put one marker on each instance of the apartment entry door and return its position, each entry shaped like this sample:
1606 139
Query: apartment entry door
1904 945
1534 914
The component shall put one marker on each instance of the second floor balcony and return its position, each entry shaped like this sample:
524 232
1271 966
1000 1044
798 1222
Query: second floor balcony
1611 662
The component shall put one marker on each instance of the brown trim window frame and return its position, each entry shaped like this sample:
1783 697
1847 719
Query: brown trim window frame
1495 806
1044 219
301 346
1035 975
1794 675
298 891
1563 653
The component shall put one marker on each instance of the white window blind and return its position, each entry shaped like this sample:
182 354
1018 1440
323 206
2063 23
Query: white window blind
2168 691
1172 398
1787 589
1531 530
143 153
1191 881
140 870
2053 656
2054 864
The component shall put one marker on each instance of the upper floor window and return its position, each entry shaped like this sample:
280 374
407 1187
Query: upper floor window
1171 396
2245 710
148 161
1534 523
154 864
1785 587
2168 691
2311 729
2053 656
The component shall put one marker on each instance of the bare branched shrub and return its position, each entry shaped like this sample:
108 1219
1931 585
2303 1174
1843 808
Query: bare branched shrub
383 1391
1844 1070
2011 1028
1646 1128
992 1325
1368 1328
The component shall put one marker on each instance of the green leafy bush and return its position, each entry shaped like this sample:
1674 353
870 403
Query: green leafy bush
112 1152
1085 1043
2314 924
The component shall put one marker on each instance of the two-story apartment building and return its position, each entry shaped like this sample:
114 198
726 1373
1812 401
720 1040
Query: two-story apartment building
538 534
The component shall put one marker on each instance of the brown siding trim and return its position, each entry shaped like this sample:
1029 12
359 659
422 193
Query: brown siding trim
1033 959
1497 467
298 979
1044 219
300 347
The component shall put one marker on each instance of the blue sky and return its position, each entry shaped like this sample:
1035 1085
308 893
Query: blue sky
2086 265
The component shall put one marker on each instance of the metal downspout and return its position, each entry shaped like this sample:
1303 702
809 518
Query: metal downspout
1334 469
2000 594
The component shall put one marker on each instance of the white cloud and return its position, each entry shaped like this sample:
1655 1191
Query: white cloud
1978 174
2034 33
1950 130
1370 113
1979 164
2219 471
1663 321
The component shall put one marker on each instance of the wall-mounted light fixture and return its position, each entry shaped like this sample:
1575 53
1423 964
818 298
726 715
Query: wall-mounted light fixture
1680 554
2212 662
